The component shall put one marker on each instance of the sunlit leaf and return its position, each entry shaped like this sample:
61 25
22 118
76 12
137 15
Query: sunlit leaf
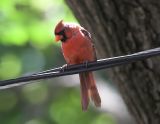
40 35
16 35
103 119
35 121
10 66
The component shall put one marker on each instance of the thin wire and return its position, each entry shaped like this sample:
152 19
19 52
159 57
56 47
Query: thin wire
78 68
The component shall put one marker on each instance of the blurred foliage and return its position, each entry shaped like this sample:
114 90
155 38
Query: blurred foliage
33 91
26 46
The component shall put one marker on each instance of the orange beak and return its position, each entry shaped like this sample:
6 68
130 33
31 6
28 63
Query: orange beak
58 38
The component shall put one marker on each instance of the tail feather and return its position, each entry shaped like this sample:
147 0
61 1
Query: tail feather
84 92
88 89
93 89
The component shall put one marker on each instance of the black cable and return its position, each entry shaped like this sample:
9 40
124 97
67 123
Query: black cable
90 66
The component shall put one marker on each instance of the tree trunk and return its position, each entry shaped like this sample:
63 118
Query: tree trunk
121 27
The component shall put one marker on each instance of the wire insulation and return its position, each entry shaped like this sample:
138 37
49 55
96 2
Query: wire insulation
78 68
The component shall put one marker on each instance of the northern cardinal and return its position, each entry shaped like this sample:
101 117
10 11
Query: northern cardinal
77 47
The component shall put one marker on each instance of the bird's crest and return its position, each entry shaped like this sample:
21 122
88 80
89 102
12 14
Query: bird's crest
59 26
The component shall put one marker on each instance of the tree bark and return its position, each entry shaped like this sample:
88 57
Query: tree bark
121 27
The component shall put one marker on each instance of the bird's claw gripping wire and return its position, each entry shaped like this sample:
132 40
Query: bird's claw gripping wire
64 67
86 64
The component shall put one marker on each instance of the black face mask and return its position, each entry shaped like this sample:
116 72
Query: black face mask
62 32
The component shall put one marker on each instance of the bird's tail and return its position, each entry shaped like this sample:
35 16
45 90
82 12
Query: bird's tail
88 89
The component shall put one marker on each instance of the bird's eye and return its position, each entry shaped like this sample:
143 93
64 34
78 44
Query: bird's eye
63 34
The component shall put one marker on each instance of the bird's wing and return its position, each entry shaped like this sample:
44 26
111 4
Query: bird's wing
88 35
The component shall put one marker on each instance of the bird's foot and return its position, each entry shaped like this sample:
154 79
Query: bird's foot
86 64
64 67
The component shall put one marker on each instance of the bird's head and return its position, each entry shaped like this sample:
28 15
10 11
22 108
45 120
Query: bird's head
61 32
64 31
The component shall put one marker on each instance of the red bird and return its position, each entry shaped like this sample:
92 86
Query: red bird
77 47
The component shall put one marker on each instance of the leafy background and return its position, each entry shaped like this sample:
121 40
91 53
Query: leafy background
26 46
